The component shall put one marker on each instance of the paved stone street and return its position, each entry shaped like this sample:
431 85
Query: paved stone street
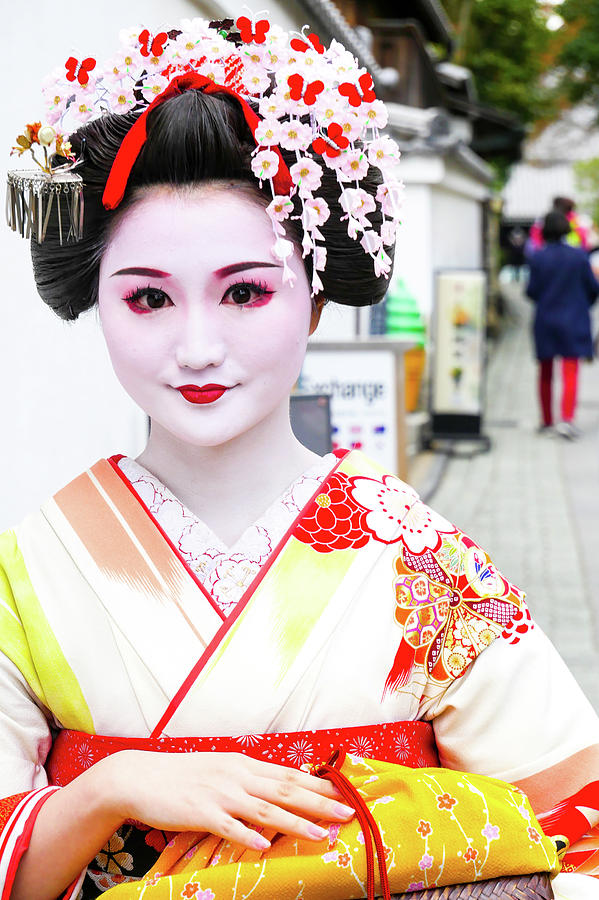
533 501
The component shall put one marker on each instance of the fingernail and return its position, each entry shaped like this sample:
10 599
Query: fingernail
318 832
260 843
340 809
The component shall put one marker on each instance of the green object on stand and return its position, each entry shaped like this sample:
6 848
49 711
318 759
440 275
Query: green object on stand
405 322
403 317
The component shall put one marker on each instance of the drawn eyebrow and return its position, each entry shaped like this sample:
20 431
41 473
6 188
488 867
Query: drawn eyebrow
142 270
240 266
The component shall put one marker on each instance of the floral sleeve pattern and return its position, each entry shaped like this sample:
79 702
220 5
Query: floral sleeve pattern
450 600
451 604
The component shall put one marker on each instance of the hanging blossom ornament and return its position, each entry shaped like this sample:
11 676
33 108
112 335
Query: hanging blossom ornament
312 101
31 193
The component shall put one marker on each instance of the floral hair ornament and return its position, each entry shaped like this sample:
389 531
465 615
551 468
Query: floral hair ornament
296 95
136 136
32 193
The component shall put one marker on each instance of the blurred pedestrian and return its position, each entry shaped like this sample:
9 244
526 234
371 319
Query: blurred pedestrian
578 231
516 242
563 287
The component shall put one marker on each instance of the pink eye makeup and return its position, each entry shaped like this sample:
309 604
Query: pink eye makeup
248 294
146 300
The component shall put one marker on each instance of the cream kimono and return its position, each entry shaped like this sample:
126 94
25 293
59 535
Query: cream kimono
348 605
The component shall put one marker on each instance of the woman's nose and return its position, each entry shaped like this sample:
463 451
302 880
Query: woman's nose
200 342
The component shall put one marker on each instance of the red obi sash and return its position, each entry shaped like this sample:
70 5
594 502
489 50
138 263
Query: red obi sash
407 743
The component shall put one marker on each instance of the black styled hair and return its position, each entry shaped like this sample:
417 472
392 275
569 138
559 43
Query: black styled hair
192 138
555 227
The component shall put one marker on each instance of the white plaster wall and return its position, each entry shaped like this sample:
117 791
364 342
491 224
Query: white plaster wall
413 254
61 405
441 223
456 233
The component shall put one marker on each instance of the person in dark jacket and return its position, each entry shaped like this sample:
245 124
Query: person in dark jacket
563 287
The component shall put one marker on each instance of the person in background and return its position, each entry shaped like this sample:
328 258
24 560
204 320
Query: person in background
517 258
563 287
578 230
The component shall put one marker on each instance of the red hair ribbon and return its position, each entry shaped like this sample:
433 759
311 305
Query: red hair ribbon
136 137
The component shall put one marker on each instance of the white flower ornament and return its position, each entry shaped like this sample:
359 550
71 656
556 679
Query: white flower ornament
265 164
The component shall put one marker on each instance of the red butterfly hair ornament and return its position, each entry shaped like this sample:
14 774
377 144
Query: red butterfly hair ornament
253 33
300 89
135 138
302 46
356 97
334 145
152 46
79 70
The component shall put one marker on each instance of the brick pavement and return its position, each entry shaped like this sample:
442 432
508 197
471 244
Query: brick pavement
533 501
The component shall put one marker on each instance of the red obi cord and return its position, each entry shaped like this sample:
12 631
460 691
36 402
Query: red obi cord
368 824
137 134
407 743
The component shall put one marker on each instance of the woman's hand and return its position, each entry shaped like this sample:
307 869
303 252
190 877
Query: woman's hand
215 791
172 791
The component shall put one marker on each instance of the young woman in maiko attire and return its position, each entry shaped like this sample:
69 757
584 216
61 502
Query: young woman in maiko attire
182 634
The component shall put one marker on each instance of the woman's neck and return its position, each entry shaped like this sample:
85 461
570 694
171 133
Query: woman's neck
230 485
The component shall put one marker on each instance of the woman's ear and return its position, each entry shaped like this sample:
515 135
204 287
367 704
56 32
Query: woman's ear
317 307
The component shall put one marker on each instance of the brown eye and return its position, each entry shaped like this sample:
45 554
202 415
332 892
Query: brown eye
155 299
241 294
146 299
247 294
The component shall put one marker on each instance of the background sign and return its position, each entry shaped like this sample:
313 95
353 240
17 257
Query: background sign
362 388
457 374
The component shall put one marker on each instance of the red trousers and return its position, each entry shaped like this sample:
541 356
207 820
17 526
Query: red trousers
569 388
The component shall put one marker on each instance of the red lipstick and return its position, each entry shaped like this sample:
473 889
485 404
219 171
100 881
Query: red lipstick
207 393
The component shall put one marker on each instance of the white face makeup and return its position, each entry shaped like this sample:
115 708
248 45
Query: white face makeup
191 298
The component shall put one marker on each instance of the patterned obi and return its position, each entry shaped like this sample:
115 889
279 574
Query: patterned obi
407 743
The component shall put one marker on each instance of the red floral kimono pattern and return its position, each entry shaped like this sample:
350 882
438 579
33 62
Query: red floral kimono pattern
336 522
451 602
451 605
